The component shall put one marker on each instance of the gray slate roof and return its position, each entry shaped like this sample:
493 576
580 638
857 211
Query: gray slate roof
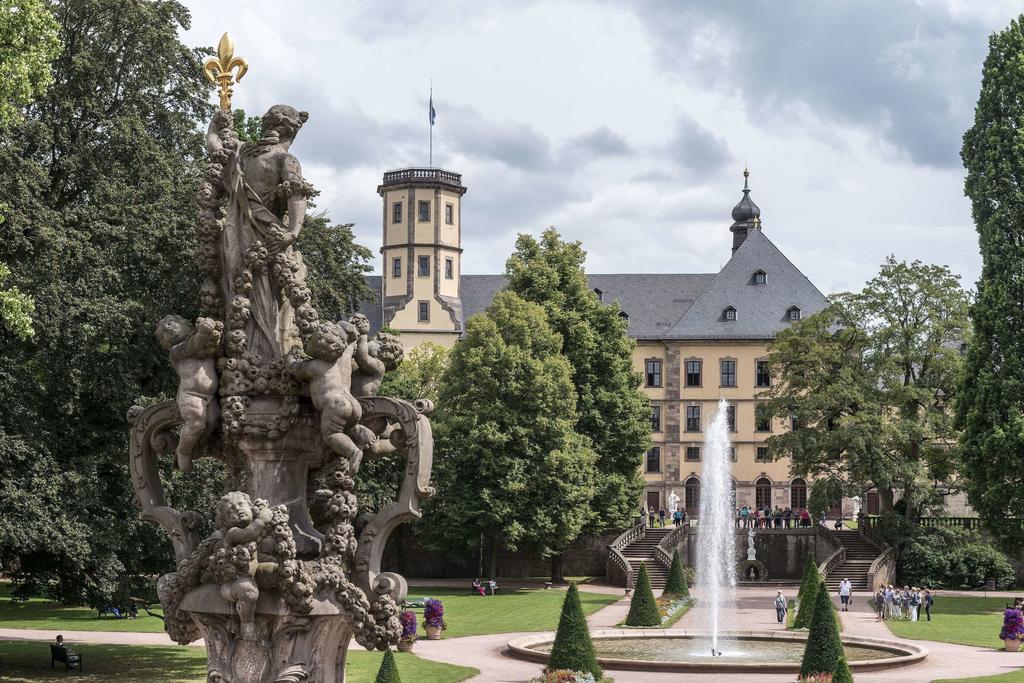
682 306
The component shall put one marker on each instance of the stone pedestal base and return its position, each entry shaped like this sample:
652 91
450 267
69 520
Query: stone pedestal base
288 647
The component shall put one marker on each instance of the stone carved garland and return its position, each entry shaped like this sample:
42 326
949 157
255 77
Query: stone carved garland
268 388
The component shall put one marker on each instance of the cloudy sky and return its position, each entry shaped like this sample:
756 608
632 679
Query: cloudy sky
627 125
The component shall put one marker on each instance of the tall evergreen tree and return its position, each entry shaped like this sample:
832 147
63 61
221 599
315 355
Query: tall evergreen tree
676 582
510 469
613 412
573 650
388 672
808 599
990 404
643 610
810 574
824 646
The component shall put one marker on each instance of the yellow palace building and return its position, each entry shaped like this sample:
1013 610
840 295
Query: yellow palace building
700 336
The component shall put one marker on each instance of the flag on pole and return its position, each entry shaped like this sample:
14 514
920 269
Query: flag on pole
433 114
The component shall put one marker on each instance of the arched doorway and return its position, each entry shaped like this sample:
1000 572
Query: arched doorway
762 493
691 496
798 494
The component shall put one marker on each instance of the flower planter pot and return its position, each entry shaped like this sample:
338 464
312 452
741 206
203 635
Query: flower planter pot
433 633
405 645
1011 644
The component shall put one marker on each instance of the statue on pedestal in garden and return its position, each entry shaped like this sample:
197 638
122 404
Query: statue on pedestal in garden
288 403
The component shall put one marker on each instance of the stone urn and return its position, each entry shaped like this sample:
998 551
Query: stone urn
405 644
1011 644
434 633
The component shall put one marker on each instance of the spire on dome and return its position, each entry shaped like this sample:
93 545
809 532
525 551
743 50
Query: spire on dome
746 215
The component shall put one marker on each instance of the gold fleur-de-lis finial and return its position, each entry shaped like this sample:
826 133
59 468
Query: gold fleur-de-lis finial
221 70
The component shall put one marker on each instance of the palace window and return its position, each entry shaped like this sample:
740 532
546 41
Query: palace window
692 454
653 367
424 312
762 454
730 416
732 453
691 496
693 368
762 377
654 460
693 418
728 368
762 420
762 493
794 422
449 214
798 494
424 208
794 314
655 418
424 266
760 277
729 313
600 294
449 269
396 212
396 267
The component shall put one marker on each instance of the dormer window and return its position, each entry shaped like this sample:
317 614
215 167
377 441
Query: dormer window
624 315
794 314
760 277
729 313
600 294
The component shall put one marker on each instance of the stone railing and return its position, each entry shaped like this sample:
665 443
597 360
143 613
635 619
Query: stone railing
882 571
617 570
667 545
436 175
838 555
870 530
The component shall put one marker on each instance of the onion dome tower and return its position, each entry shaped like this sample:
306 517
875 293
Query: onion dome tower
746 215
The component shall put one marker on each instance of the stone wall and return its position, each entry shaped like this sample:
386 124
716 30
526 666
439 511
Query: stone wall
783 551
406 555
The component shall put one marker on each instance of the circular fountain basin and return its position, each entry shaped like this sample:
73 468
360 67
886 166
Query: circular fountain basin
742 651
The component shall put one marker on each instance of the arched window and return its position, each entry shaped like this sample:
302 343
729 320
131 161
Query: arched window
762 493
691 493
798 494
760 277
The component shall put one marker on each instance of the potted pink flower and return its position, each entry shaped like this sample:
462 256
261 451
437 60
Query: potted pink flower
1013 629
408 638
433 618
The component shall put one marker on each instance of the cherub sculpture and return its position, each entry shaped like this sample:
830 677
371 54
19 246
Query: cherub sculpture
192 352
329 374
241 525
373 358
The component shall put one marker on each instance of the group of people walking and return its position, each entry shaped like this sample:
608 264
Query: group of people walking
766 518
892 603
657 518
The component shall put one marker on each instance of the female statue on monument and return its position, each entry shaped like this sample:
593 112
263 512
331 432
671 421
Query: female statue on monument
265 209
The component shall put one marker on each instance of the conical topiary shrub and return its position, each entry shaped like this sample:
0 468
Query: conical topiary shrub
388 672
808 597
842 674
676 584
810 572
643 610
572 649
824 647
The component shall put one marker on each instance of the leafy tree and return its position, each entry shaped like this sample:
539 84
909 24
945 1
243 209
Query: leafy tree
990 404
28 44
868 381
388 672
613 412
808 598
810 574
643 609
842 673
573 649
824 646
15 308
510 467
676 583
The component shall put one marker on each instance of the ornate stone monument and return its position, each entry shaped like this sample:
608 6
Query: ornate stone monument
673 501
288 403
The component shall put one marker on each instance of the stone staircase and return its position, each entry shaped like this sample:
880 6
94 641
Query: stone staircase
642 550
859 556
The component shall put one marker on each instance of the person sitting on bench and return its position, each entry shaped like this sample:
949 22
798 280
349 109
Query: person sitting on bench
62 652
493 586
478 588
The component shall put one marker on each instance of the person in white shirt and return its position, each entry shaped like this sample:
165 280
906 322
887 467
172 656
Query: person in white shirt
845 588
780 607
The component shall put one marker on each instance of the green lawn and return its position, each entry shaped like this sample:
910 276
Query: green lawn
1010 677
507 612
467 615
23 662
965 621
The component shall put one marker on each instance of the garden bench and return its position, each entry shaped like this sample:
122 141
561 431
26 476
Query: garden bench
71 660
